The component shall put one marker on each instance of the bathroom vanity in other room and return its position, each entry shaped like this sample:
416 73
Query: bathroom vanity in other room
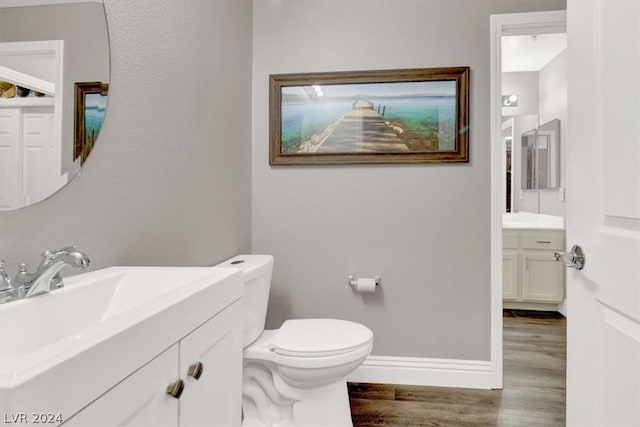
532 279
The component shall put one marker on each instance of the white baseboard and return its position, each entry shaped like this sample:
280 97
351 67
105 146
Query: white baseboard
562 308
425 372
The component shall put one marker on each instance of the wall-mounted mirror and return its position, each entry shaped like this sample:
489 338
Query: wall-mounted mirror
54 79
548 155
540 150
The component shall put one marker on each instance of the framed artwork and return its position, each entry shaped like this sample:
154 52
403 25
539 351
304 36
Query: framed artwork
90 106
385 116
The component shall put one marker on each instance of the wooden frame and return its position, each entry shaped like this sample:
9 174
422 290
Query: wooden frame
387 116
89 115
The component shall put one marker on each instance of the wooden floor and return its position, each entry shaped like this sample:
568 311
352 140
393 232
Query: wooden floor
533 393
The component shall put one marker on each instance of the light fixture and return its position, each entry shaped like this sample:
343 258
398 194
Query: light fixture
509 100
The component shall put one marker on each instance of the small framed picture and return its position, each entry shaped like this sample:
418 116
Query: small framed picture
90 106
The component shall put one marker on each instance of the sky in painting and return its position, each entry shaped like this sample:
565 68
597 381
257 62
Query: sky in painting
378 90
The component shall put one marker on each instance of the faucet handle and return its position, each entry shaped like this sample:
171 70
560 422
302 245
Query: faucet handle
5 279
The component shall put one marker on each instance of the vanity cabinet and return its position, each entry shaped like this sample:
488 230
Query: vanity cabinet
212 353
531 277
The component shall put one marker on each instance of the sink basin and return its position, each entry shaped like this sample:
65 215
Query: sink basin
86 301
127 313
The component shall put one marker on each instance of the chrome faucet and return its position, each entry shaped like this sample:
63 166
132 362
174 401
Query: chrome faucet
46 277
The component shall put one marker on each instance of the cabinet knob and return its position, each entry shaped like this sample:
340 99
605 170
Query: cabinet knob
195 370
175 389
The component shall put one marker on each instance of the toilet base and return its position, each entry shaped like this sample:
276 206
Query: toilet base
268 401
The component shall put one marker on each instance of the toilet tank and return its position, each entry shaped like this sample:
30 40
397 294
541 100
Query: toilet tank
257 271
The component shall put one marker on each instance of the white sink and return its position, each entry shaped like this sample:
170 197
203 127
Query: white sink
99 328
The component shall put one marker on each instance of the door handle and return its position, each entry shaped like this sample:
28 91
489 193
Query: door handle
572 259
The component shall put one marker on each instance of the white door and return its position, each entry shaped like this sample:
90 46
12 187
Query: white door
10 159
39 162
603 213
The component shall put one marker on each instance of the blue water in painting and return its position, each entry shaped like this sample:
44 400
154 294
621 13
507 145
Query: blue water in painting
301 119
429 115
94 115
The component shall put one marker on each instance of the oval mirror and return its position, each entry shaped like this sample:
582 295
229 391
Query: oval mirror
54 80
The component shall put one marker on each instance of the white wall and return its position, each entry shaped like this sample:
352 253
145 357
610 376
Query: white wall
169 181
423 228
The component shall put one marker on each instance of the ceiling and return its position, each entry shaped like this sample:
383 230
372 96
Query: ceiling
531 53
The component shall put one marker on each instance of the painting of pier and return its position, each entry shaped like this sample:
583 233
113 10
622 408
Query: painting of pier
333 121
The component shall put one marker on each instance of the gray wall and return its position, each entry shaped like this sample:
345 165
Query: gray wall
169 181
525 85
553 105
424 228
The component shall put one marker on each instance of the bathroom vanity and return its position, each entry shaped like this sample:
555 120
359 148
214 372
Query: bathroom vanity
205 367
531 277
125 346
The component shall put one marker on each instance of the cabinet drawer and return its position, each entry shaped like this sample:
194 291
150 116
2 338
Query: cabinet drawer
543 240
509 239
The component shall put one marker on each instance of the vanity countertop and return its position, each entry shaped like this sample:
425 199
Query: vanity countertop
529 220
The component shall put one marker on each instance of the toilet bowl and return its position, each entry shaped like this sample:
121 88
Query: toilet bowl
294 375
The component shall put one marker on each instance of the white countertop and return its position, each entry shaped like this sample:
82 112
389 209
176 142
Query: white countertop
529 220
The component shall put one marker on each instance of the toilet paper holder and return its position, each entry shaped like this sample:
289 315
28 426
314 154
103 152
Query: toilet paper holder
353 281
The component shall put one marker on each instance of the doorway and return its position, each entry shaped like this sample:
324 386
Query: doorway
522 25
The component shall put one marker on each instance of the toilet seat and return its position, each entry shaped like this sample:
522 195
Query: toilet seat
262 350
319 337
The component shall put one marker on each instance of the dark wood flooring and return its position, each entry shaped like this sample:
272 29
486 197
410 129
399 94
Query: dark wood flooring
533 391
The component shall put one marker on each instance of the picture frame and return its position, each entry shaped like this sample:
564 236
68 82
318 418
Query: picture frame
416 115
90 106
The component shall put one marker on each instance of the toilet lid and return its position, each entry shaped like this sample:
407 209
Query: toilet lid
319 337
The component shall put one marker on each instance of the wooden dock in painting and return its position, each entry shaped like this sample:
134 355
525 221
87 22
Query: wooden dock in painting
360 130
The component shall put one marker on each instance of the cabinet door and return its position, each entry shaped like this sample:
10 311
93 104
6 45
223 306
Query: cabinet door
510 275
542 277
215 399
39 172
140 400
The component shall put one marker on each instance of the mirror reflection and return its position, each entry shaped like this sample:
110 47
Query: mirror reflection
54 80
541 156
548 155
528 180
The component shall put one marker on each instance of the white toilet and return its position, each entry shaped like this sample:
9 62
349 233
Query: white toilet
295 375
